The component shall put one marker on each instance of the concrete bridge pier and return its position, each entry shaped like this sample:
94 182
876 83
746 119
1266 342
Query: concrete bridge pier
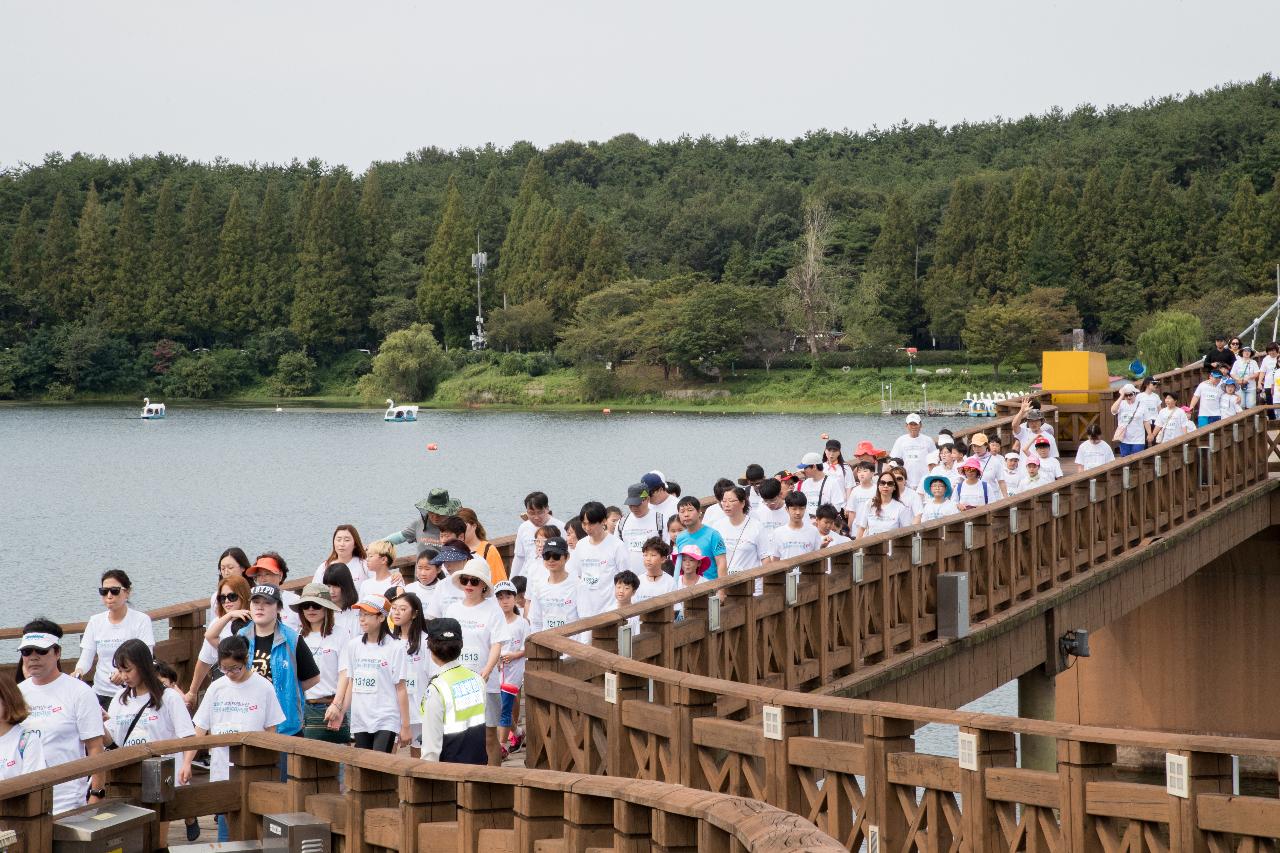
1036 701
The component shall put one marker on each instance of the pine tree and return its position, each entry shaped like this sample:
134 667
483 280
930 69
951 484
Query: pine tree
57 264
93 271
1242 239
1126 219
1160 244
350 240
446 293
1026 217
1199 236
1050 260
236 315
273 261
200 303
990 256
604 263
1093 235
164 311
491 218
524 230
564 279
949 285
893 258
376 227
128 303
24 268
1271 223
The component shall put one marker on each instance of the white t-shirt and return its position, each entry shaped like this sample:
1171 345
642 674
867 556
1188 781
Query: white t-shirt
358 567
1210 399
653 587
771 518
667 508
978 494
787 542
21 751
824 490
373 586
288 615
101 639
932 511
1025 437
1230 404
512 636
635 531
859 496
841 474
437 597
346 624
374 669
992 466
745 546
712 513
1050 469
1130 416
1175 423
525 550
325 651
418 671
65 713
914 453
1244 370
230 708
595 566
553 605
171 720
1150 403
1091 455
1268 370
480 626
1026 482
892 515
913 500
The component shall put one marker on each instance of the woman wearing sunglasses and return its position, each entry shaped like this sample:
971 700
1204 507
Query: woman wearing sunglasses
232 594
884 511
107 631
481 619
318 611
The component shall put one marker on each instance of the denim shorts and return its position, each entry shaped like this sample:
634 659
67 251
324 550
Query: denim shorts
508 709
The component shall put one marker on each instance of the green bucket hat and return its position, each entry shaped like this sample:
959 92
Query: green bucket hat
438 501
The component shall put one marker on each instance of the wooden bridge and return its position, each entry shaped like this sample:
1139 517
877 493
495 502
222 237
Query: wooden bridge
734 727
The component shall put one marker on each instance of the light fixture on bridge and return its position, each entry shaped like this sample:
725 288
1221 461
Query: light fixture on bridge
1074 643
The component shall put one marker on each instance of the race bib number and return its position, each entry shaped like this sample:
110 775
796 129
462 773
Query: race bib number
227 729
470 658
365 679
555 623
467 694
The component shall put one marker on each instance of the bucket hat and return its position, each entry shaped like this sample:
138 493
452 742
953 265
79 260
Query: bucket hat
438 502
476 567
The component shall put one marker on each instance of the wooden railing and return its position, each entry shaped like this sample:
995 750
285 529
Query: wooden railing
403 804
714 701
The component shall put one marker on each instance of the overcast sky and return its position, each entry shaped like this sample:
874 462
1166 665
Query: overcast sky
355 82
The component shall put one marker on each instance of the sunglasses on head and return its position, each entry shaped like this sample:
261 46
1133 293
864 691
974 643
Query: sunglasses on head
467 580
26 653
110 590
229 596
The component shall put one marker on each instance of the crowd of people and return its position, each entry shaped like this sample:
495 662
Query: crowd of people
431 659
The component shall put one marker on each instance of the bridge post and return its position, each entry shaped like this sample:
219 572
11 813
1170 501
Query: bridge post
1080 763
621 760
1207 773
250 764
30 816
981 824
688 705
883 737
1036 700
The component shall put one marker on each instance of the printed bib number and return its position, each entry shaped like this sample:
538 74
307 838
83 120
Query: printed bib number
470 658
555 623
226 729
365 679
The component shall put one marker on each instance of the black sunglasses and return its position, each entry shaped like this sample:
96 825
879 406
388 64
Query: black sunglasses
467 580
546 556
229 596
26 653
110 590
310 605
889 483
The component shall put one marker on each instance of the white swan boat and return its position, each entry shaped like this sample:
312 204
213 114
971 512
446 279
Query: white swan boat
399 414
151 411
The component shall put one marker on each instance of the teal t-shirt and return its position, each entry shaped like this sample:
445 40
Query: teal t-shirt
709 541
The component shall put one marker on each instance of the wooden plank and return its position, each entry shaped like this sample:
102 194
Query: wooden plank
933 772
382 827
1128 800
741 738
824 754
647 717
1254 816
1030 787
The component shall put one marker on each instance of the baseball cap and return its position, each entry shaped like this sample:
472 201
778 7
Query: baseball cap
266 590
1041 442
1033 460
504 586
1015 457
913 418
1129 388
810 459
555 545
444 629
978 438
38 640
376 604
1034 415
932 458
636 494
662 480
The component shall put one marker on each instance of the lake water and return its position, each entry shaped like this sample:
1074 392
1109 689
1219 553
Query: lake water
86 488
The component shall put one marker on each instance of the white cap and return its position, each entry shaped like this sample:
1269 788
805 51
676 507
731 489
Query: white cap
913 418
1128 388
810 459
932 458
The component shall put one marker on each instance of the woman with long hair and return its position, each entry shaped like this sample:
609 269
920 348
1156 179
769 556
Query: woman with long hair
477 540
317 610
371 683
346 548
232 594
106 631
21 750
342 592
409 626
836 468
884 511
232 561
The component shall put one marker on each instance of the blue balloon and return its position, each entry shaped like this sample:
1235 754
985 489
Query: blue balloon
1138 369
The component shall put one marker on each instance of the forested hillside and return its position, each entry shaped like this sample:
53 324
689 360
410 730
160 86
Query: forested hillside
198 278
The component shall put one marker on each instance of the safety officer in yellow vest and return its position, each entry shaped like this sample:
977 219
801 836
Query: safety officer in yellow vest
453 707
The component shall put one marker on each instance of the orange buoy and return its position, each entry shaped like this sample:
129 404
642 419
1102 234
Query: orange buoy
825 436
433 446
607 411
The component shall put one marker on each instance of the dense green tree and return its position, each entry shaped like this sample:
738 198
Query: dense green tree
713 324
409 365
1242 239
893 258
1173 339
950 285
1025 224
520 242
273 261
446 294
199 268
993 240
528 326
236 315
126 304
295 375
58 264
164 310
24 268
94 275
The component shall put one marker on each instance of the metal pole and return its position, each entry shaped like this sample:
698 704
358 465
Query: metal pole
1275 323
479 308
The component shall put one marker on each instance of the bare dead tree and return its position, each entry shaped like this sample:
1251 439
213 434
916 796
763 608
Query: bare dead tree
810 287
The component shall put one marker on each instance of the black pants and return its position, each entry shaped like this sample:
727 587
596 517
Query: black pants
383 741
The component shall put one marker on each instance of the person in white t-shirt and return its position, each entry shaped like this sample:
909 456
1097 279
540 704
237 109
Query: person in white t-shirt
409 626
975 491
21 750
343 593
1010 473
746 542
432 585
655 581
906 493
939 504
1231 402
1033 477
241 702
863 490
371 683
771 511
827 522
660 497
835 467
1050 467
1130 421
798 536
818 487
913 448
106 631
884 511
481 621
638 525
348 550
625 584
64 710
595 560
380 560
1245 373
1028 424
512 634
1093 451
1207 401
537 511
553 600
1267 377
1171 421
326 641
